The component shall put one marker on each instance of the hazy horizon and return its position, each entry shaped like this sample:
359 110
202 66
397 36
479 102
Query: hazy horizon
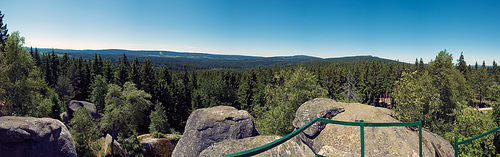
397 30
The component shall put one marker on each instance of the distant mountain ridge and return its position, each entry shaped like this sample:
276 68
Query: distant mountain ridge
202 61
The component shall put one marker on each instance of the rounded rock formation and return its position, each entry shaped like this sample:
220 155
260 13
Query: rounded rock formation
207 126
74 106
343 140
29 136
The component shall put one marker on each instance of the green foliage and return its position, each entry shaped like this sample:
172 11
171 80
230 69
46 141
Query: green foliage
83 130
3 32
432 94
470 123
159 121
21 88
64 89
134 147
480 82
99 90
416 97
125 107
283 97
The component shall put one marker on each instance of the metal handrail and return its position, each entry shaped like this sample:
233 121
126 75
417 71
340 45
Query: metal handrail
472 139
361 124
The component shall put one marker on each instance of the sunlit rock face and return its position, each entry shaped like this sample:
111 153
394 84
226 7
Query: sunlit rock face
342 140
207 126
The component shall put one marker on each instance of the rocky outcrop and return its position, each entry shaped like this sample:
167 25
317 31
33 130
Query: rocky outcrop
74 106
207 126
65 117
117 148
341 140
321 108
288 149
29 136
157 146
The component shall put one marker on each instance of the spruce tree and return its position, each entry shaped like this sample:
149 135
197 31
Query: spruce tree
135 74
147 77
3 32
462 65
159 121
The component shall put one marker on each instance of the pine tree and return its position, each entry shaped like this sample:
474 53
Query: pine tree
247 90
108 71
421 65
99 89
31 51
496 71
462 65
147 76
64 89
37 58
54 67
134 147
96 66
159 121
3 32
135 73
122 72
65 64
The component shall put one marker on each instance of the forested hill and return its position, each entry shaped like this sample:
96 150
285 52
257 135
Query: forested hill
359 59
202 61
195 61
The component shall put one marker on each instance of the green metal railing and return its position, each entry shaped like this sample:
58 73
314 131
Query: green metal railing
361 124
472 139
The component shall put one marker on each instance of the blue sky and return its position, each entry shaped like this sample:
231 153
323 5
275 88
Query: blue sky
402 29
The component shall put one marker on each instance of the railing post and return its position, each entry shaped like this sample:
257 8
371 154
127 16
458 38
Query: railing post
420 137
456 146
362 134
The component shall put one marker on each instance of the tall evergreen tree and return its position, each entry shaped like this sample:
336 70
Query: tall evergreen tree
54 66
3 32
247 90
122 71
99 89
135 73
64 64
421 65
496 71
97 66
108 71
147 76
64 89
37 58
462 65
159 121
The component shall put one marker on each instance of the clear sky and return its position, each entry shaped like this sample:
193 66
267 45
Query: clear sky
399 29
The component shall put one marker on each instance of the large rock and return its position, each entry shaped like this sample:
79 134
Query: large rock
207 126
29 136
288 149
117 148
342 140
157 146
74 106
321 108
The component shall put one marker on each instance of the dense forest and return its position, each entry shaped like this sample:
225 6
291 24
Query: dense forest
136 97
